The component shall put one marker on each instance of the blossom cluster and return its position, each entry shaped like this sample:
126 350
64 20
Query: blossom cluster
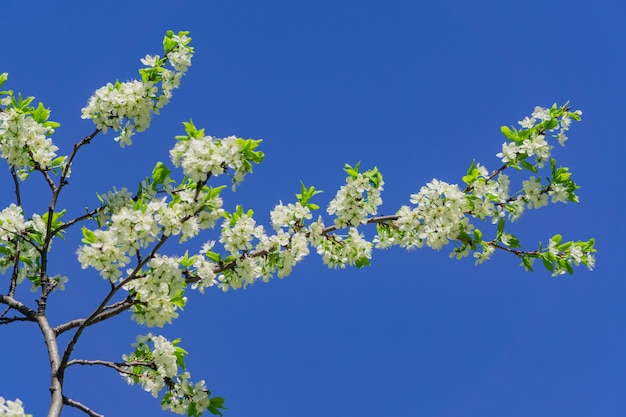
127 107
133 225
24 141
439 216
531 140
158 364
204 156
358 198
341 251
159 294
123 107
10 408
14 227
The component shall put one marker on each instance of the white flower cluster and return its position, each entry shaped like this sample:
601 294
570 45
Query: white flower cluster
183 395
536 144
203 270
127 107
10 408
338 252
355 201
240 236
14 226
180 58
572 254
159 293
277 253
161 370
294 250
534 196
209 156
487 196
290 216
130 229
23 141
438 218
162 355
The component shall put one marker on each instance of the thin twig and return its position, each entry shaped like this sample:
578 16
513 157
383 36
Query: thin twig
81 407
106 313
118 366
7 320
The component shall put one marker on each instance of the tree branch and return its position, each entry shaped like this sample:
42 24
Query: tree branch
81 407
106 313
30 314
118 366
57 371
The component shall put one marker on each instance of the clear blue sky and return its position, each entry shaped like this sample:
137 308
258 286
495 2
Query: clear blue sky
418 89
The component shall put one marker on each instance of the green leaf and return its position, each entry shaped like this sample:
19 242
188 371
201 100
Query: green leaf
528 166
215 257
527 263
186 261
508 133
549 124
3 78
564 247
50 124
192 131
360 263
573 115
89 237
160 173
352 172
547 264
305 196
500 227
41 114
179 300
22 104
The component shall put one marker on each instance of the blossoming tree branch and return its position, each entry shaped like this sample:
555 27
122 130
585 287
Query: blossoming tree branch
124 236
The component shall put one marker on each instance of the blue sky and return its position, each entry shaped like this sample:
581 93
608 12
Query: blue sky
418 89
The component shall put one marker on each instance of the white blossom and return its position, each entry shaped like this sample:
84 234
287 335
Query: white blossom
10 408
355 200
23 141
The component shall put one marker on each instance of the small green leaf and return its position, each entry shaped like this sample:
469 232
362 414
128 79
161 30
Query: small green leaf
89 237
500 227
528 166
179 300
160 173
360 263
41 114
527 263
547 264
508 133
215 257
